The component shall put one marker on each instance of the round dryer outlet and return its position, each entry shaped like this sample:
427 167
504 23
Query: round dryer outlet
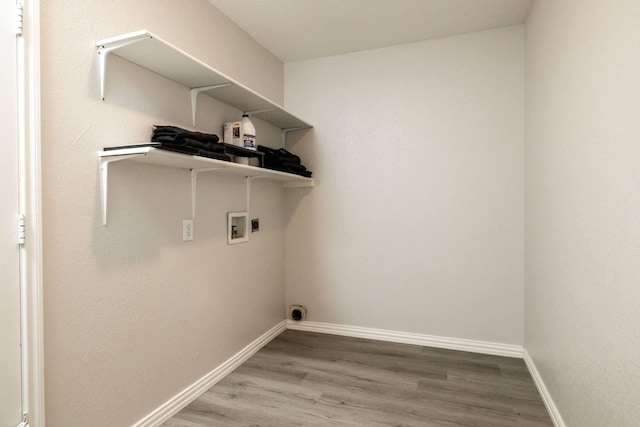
298 312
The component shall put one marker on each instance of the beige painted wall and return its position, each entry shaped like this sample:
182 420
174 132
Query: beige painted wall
416 222
133 315
583 204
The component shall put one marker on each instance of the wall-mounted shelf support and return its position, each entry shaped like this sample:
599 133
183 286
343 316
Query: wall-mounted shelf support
248 182
194 179
103 163
194 96
105 50
249 179
285 131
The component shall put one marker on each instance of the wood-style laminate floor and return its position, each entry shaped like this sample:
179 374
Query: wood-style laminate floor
308 379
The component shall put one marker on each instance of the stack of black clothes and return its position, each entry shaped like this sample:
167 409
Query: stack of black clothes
183 141
284 161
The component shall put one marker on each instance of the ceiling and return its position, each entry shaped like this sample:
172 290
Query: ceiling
295 30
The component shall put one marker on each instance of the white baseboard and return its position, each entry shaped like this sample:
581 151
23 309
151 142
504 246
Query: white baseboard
191 393
544 393
483 347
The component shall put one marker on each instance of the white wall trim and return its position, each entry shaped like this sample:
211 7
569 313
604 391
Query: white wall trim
544 393
484 347
191 393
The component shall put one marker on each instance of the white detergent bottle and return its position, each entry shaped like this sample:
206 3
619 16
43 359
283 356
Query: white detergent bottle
248 133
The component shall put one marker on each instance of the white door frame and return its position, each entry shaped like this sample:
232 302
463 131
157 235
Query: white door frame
10 290
30 206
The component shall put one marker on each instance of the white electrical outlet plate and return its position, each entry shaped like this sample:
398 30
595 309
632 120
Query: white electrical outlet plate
187 230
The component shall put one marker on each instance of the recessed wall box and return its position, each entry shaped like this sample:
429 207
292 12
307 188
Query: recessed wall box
237 227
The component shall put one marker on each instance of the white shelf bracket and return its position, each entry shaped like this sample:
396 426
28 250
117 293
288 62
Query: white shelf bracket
194 96
248 180
103 164
103 54
285 131
194 181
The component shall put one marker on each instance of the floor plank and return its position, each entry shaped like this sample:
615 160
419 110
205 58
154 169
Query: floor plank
309 379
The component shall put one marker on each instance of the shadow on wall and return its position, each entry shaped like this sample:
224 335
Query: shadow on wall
300 143
147 204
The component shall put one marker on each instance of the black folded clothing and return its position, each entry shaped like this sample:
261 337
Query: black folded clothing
178 148
213 155
193 147
291 170
181 137
293 166
283 160
178 135
305 173
144 144
188 142
278 155
209 146
185 149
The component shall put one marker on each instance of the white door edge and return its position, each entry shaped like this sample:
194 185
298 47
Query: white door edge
11 368
30 204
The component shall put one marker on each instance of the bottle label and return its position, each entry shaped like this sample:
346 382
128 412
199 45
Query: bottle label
249 141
